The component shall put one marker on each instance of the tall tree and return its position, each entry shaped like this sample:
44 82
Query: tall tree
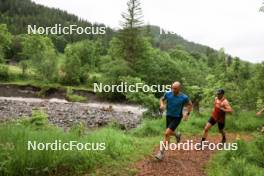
130 35
39 50
5 41
133 16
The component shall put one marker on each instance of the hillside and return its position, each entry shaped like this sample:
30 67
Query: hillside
17 14
170 41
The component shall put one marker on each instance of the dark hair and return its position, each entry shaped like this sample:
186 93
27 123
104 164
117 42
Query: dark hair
220 91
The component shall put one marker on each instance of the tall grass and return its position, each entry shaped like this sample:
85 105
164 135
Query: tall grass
246 161
244 121
120 149
241 122
150 127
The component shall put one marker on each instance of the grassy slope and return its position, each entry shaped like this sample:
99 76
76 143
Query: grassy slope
248 159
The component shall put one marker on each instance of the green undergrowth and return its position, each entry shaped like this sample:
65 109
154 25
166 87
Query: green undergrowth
121 149
247 160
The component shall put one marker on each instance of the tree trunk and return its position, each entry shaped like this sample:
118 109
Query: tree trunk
196 107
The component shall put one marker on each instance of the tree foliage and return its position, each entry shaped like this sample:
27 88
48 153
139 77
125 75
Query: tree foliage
41 53
130 36
5 41
133 53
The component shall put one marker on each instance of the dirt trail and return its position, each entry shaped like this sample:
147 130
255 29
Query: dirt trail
180 162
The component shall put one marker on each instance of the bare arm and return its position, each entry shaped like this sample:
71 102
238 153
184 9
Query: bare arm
162 103
260 112
188 105
227 108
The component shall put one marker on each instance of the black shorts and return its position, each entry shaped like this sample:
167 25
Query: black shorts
172 122
212 121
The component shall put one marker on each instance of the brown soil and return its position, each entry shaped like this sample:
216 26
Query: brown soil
180 162
29 91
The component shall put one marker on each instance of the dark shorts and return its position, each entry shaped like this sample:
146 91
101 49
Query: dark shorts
212 121
172 122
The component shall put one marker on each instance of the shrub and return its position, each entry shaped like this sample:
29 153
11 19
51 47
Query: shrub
41 53
4 73
247 160
237 122
72 97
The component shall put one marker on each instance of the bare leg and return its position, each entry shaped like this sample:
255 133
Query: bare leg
167 135
166 141
206 130
222 132
173 133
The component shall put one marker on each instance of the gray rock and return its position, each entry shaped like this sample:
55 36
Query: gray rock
65 114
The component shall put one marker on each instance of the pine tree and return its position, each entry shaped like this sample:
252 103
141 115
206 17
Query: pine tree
133 16
131 33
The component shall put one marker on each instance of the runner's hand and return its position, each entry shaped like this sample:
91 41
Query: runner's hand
222 109
185 116
162 108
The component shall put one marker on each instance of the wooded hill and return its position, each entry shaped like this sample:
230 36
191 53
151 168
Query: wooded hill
18 14
135 53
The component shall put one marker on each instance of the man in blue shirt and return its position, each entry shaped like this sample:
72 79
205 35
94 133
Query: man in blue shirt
175 101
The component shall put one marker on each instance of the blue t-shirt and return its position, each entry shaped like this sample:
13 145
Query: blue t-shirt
175 103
